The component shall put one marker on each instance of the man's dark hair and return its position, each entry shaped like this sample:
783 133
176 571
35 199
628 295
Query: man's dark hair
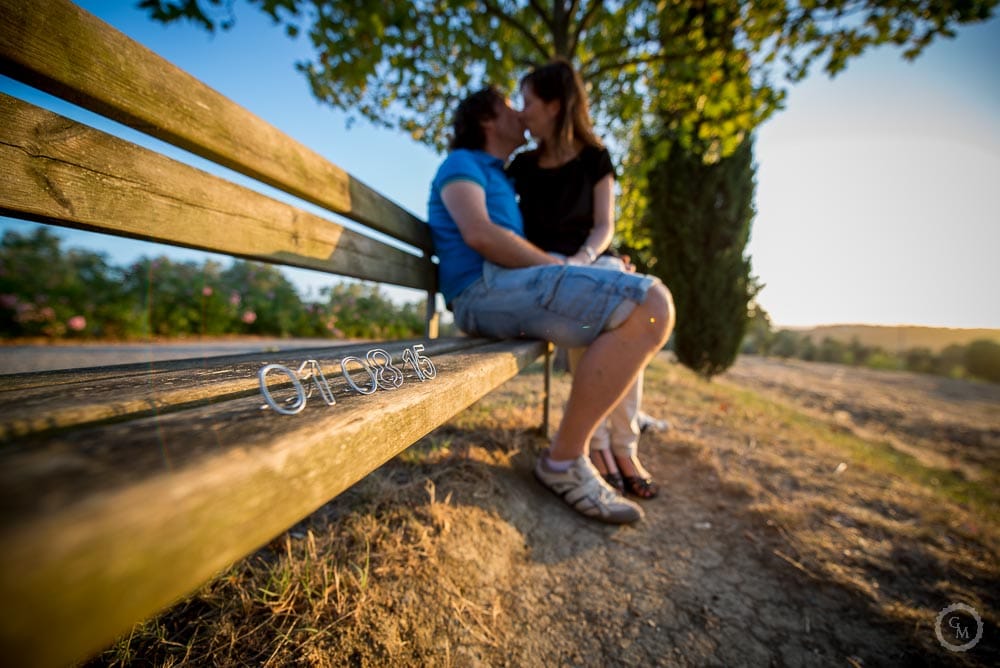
467 124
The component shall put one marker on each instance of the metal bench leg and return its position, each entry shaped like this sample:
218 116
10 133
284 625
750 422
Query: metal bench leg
547 399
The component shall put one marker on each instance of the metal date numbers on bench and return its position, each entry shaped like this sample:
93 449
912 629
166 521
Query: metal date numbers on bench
377 365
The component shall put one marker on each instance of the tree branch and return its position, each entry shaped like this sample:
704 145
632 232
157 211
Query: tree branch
537 6
493 10
624 48
584 22
560 32
643 60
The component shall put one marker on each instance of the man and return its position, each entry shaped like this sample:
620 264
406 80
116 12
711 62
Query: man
499 284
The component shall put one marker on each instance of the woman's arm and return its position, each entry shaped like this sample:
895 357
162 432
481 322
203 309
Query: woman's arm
603 230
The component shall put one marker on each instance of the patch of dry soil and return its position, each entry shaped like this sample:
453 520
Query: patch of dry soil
750 557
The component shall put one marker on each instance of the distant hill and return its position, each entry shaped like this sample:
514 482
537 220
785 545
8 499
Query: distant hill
902 337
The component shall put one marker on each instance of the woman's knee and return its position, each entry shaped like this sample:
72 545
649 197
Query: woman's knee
659 309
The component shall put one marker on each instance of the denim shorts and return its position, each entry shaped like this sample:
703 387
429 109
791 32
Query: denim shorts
569 305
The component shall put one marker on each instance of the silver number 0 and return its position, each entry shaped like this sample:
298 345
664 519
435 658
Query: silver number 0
300 395
350 381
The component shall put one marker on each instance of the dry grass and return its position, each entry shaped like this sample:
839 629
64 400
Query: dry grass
902 337
857 513
415 565
346 585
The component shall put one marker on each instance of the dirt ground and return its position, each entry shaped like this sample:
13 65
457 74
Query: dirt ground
811 515
940 421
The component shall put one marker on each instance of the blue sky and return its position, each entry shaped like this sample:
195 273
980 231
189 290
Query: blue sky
878 192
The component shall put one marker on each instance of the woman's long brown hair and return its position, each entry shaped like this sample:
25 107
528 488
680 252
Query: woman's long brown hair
558 80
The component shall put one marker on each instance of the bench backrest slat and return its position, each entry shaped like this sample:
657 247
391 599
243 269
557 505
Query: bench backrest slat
57 47
59 171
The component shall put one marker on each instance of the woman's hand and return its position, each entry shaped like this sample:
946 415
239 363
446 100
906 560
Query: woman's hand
585 256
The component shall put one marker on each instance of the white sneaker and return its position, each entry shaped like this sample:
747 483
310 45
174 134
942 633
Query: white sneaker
649 423
583 488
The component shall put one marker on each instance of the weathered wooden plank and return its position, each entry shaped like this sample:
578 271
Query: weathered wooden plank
61 49
106 526
59 171
41 379
35 403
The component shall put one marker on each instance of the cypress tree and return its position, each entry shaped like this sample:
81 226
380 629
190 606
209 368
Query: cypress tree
698 219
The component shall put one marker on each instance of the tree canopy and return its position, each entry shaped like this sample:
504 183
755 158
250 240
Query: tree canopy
405 64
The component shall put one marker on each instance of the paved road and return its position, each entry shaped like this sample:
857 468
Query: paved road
22 358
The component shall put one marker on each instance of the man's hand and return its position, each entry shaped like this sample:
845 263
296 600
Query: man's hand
627 263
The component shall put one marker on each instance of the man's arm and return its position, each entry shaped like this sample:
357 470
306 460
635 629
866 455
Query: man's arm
466 202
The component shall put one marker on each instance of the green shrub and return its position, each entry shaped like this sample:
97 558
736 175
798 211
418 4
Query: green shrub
982 360
49 292
880 359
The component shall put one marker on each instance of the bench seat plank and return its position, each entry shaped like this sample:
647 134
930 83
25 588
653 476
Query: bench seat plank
107 525
59 171
30 405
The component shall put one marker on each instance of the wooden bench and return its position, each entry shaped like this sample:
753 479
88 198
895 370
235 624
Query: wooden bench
124 488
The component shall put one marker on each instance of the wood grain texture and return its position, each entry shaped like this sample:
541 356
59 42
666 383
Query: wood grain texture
123 488
59 171
59 48
105 526
32 404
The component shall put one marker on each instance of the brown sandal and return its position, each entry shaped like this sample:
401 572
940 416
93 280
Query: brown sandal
643 488
636 485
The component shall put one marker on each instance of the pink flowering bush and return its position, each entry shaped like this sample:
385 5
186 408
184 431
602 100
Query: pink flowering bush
79 294
43 286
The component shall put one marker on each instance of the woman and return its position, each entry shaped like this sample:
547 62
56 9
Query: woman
566 190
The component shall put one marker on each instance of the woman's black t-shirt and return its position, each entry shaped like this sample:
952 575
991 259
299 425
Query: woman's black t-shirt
557 203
